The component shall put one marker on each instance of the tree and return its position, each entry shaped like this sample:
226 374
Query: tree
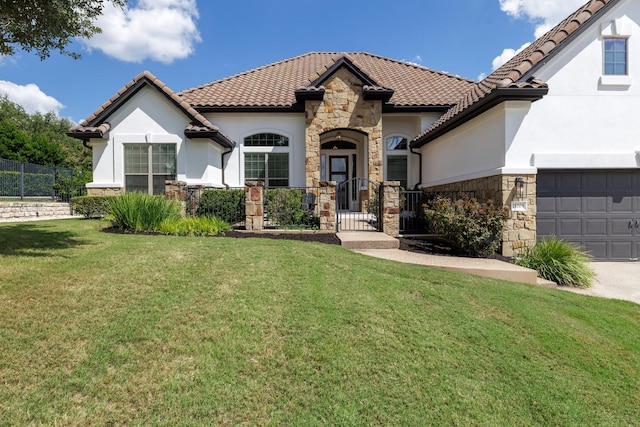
39 139
46 25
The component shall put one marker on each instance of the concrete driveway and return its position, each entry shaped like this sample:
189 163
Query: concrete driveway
619 280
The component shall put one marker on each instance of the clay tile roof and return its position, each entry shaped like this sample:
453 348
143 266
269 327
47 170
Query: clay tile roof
515 74
274 85
95 126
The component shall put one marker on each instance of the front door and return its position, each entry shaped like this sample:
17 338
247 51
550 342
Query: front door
339 172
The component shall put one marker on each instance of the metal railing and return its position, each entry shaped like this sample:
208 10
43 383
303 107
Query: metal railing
291 208
226 204
27 180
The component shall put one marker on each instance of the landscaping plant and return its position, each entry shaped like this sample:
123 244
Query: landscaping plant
91 206
472 228
137 211
197 226
226 205
559 261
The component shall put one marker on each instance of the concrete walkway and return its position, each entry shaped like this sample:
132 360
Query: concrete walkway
380 245
616 280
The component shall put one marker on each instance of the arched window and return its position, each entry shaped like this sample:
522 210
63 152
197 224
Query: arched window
266 158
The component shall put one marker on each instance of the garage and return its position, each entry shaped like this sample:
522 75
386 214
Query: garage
598 209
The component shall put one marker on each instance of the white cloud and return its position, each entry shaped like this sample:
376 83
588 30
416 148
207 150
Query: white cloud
160 30
506 55
30 97
544 13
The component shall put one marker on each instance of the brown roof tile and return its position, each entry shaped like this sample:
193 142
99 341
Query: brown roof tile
96 126
274 85
515 72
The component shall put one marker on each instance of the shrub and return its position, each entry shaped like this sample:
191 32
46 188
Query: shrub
283 207
199 226
471 228
141 212
226 205
559 261
91 206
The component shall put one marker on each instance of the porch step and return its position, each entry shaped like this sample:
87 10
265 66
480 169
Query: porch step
357 240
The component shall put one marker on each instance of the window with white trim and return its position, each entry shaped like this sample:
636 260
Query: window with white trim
615 56
266 158
148 166
397 156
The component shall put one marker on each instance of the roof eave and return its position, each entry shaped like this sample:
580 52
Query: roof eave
495 98
215 136
85 136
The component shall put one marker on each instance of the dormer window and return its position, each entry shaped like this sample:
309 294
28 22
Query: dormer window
615 56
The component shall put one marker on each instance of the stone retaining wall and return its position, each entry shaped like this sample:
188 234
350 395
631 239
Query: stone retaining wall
25 211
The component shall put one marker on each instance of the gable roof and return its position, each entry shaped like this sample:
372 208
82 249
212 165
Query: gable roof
514 80
96 125
274 86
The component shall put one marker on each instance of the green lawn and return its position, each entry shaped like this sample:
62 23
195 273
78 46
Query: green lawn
100 328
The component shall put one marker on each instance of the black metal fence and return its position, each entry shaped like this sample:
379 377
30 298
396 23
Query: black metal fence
226 204
27 180
291 208
283 208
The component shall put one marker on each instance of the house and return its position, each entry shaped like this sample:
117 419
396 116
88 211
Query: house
551 134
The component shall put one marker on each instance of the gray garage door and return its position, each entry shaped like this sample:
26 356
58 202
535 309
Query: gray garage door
600 210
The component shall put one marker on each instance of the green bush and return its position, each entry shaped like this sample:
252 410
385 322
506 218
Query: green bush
141 212
283 207
559 261
472 228
226 205
198 226
91 206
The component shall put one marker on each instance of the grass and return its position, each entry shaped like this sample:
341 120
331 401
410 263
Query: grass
100 328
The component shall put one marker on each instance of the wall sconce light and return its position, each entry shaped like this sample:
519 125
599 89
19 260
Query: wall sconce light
521 188
339 136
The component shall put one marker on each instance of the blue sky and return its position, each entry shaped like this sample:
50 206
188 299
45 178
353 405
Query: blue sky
186 43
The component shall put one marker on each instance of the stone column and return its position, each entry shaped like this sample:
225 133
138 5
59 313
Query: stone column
327 205
390 195
176 190
254 205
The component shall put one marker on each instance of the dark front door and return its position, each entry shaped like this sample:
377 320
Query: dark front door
339 172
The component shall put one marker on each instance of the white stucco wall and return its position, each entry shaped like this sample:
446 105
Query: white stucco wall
581 123
473 150
237 126
148 117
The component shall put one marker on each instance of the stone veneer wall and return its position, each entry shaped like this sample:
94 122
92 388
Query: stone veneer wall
391 208
327 205
343 107
110 191
520 230
25 211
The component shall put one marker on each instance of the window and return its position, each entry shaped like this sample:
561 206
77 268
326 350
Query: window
147 166
396 166
266 140
272 168
397 143
397 169
615 57
266 158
